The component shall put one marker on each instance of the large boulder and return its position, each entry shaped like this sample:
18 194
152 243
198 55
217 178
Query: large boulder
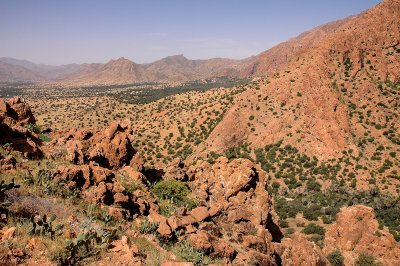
209 244
235 219
15 114
175 170
110 147
356 231
99 186
236 191
297 250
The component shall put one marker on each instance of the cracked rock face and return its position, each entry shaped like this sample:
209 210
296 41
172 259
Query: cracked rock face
355 231
297 250
234 220
109 148
15 114
99 186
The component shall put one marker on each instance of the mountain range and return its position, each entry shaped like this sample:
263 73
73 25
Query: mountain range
171 68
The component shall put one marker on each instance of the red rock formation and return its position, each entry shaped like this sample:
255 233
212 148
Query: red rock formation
297 250
273 59
236 208
110 147
15 114
99 186
300 102
357 231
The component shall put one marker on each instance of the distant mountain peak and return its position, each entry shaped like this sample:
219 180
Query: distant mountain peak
120 60
178 56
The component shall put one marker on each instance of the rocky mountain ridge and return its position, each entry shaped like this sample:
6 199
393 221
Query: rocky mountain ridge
171 68
313 98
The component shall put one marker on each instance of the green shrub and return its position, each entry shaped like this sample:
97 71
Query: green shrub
148 228
276 184
171 190
336 258
313 228
284 224
172 194
189 253
34 128
318 240
312 184
44 137
365 260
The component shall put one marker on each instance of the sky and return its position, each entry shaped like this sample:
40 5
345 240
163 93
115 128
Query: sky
87 31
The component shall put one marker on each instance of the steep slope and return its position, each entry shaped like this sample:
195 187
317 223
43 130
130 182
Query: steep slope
12 73
330 97
273 59
47 72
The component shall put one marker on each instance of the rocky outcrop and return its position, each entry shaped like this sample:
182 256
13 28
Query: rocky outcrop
175 170
355 231
15 114
99 186
109 148
237 188
297 250
235 217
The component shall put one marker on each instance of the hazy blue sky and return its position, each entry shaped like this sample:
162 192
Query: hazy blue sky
59 32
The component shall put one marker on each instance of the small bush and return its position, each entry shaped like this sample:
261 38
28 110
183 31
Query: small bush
191 254
175 192
336 258
284 224
148 227
44 137
34 128
312 228
365 260
313 185
171 190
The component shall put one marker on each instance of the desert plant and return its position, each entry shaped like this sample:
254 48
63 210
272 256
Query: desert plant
171 190
191 254
44 226
313 228
148 227
365 260
107 218
34 128
336 258
85 245
3 188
